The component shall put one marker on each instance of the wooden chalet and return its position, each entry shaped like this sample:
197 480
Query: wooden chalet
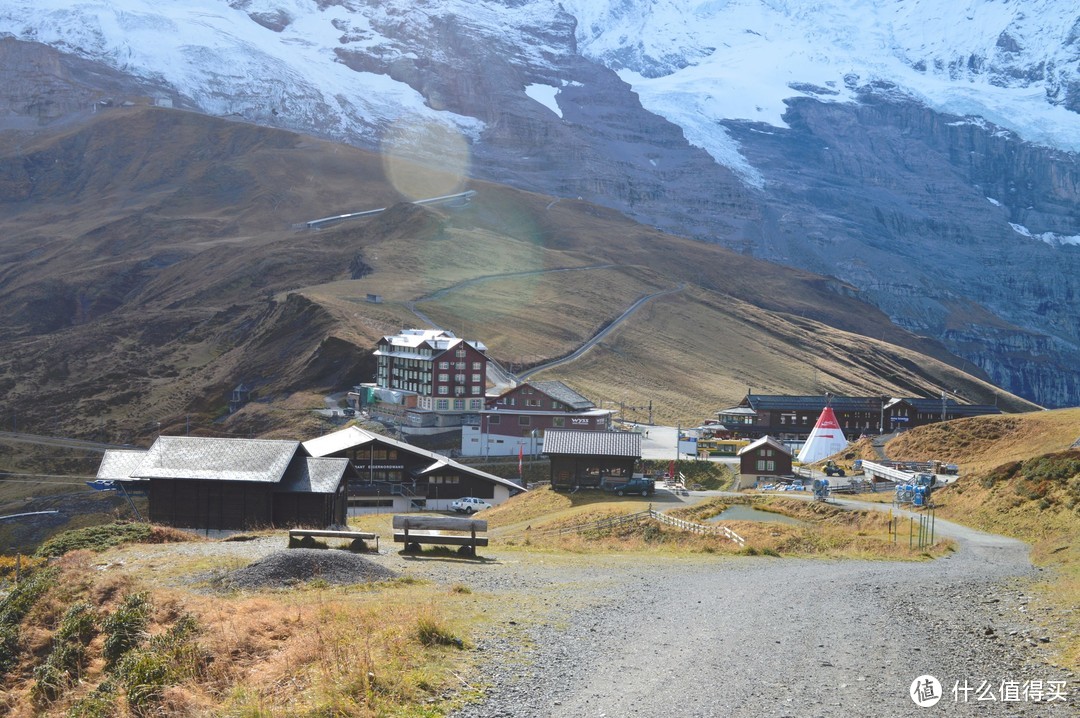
390 475
232 484
792 418
766 459
584 459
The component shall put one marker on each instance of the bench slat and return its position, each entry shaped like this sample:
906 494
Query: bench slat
439 523
333 534
444 539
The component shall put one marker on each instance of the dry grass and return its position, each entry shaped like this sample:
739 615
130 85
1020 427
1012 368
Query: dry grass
984 442
388 650
828 531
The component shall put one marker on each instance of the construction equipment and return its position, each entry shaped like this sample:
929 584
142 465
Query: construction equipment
821 489
831 469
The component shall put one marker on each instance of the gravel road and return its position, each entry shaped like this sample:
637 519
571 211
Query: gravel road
626 636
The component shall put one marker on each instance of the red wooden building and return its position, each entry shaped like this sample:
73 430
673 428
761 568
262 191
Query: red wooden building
518 420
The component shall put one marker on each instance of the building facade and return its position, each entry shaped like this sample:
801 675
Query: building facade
390 475
443 373
516 421
792 418
764 459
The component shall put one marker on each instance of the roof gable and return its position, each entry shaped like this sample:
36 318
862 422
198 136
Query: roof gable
120 464
762 442
562 393
307 474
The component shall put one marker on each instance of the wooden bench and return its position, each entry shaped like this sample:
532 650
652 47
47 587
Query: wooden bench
415 530
300 534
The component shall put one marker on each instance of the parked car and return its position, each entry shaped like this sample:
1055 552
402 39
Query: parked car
469 504
636 485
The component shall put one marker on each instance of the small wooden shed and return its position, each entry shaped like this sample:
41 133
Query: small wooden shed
584 459
765 458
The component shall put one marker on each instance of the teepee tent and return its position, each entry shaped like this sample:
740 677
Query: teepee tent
825 440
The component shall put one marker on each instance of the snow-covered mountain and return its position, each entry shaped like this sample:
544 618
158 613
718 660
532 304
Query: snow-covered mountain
922 151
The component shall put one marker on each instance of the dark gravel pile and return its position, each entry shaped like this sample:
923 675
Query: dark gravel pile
282 569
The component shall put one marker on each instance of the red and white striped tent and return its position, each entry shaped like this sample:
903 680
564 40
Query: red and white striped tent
825 440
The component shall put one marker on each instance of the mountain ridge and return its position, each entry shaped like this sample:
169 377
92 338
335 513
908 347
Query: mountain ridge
853 173
157 308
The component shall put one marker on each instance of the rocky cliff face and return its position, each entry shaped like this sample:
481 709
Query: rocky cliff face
922 211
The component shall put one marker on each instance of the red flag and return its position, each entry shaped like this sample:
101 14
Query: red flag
671 470
521 454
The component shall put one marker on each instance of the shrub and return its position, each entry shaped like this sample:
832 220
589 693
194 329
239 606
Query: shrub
14 608
125 627
95 538
68 655
166 660
26 566
433 633
99 704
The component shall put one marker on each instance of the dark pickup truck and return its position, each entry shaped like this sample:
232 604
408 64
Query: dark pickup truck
636 485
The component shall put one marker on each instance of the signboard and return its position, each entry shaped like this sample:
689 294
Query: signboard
898 418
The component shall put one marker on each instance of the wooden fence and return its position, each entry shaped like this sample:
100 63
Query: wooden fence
638 517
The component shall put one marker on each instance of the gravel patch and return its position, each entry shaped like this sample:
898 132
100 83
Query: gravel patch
283 569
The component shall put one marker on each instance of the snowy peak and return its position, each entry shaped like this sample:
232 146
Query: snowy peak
1014 63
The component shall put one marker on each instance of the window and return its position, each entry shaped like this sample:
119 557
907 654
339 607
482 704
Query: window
558 421
459 378
476 366
442 404
475 391
476 378
444 365
459 404
763 465
524 420
532 402
475 404
460 353
444 377
444 390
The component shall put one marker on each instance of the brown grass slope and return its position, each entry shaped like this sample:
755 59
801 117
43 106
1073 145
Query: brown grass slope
148 265
1020 477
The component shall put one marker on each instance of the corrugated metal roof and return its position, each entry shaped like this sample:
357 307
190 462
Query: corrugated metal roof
196 457
120 464
562 393
307 474
592 443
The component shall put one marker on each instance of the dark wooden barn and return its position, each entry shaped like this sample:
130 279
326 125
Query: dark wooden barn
233 484
584 459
